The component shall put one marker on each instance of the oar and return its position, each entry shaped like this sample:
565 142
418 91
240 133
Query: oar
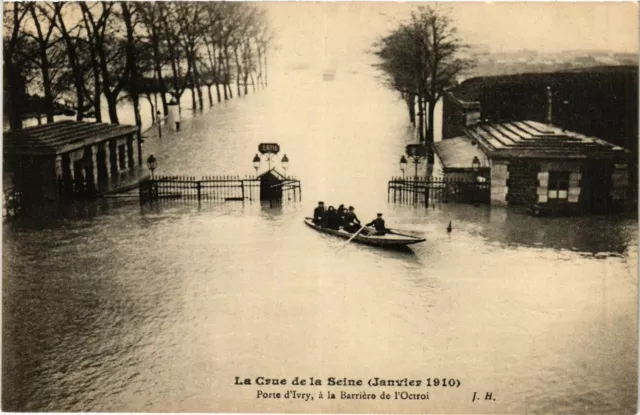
394 230
353 236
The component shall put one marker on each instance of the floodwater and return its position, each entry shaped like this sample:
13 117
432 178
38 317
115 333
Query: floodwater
159 308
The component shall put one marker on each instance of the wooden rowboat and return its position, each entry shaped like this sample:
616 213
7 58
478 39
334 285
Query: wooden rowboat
391 240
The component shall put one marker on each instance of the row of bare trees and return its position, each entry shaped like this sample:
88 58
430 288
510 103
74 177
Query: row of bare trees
73 56
421 58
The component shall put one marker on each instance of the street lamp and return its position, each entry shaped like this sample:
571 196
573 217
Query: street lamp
475 164
285 163
151 163
403 165
256 162
416 152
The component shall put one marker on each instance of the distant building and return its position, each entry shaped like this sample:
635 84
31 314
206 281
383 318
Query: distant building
71 158
532 163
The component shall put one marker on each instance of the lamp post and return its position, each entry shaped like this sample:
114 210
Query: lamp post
416 152
403 165
151 163
285 163
269 158
256 162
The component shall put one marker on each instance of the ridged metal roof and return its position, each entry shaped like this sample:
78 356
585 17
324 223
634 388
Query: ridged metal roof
538 140
61 137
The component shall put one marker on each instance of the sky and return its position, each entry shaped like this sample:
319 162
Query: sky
321 32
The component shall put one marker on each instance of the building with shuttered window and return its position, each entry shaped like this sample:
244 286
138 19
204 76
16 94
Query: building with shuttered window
538 164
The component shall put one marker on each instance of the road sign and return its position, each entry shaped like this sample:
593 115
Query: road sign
416 150
269 148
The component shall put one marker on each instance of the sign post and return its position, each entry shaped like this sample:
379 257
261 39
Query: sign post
270 150
416 152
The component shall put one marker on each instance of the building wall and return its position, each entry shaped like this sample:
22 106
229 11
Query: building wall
102 167
620 189
467 175
35 177
455 117
499 177
523 182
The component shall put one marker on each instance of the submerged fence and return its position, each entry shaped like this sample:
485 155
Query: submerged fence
217 188
430 190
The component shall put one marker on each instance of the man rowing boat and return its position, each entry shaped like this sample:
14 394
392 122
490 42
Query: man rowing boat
378 224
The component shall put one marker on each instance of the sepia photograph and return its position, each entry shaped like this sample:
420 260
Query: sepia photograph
320 207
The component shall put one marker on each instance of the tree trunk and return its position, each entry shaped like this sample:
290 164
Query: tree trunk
226 96
153 108
15 86
97 87
132 66
163 92
420 120
46 81
210 96
193 96
80 102
195 79
238 70
218 93
113 110
410 99
266 82
432 108
230 91
253 84
162 86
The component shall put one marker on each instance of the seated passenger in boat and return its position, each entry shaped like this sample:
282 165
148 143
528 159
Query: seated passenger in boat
331 218
318 214
351 222
378 223
340 214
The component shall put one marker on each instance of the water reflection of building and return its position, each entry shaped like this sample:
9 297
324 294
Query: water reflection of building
71 158
533 163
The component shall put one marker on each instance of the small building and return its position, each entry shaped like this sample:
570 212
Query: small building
271 185
533 163
458 159
71 158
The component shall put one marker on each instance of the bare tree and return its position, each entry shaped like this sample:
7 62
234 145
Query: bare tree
43 36
149 14
132 64
72 40
172 38
211 63
420 59
15 64
106 36
104 49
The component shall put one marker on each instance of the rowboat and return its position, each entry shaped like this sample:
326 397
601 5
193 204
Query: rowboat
391 239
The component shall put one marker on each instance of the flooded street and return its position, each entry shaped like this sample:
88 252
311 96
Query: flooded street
159 308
